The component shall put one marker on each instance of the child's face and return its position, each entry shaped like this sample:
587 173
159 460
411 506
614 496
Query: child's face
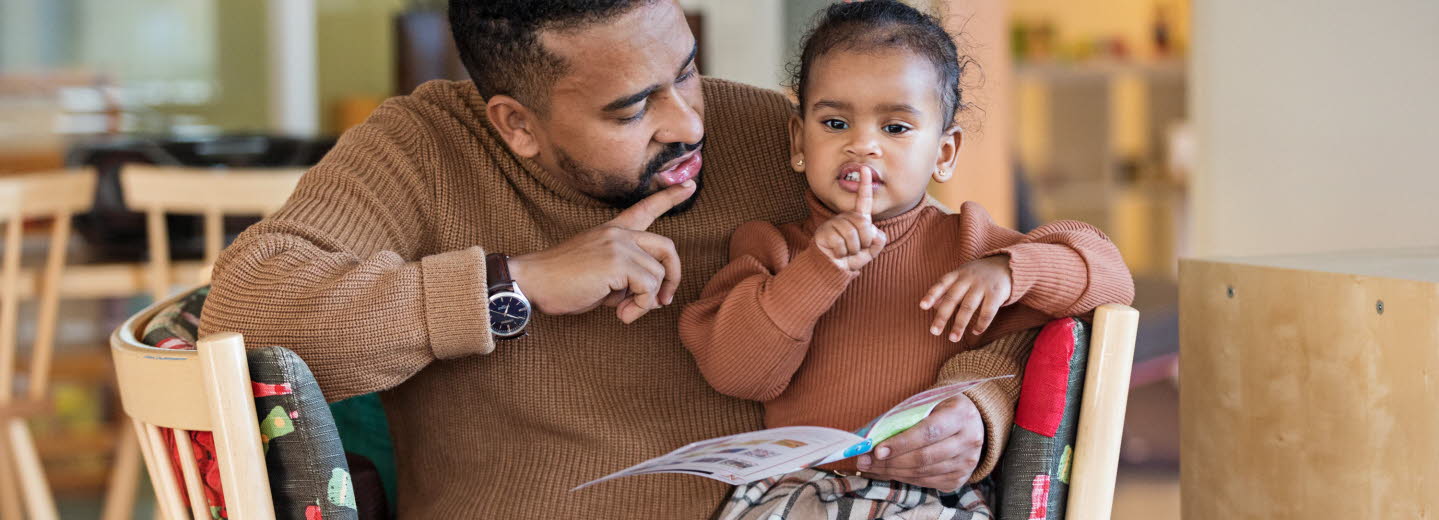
878 109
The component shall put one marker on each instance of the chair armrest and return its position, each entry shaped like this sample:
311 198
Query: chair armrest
1101 416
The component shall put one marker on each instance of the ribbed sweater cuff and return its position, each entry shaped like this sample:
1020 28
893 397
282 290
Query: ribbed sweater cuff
1051 275
996 409
803 291
995 400
456 303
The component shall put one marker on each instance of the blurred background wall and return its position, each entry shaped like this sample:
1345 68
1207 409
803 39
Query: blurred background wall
1315 123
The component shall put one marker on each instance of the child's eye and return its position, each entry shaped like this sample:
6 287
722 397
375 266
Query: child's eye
895 128
834 124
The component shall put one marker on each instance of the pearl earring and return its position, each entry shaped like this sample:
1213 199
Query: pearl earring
799 163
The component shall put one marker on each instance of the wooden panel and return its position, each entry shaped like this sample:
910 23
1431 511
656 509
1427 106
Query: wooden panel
1300 399
1419 264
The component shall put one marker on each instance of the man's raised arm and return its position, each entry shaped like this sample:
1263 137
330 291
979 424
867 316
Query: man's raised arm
335 275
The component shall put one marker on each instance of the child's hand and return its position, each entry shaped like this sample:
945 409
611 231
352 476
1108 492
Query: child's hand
981 285
850 239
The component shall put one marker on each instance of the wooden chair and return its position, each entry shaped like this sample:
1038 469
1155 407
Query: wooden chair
1101 412
205 390
209 391
54 195
157 191
213 193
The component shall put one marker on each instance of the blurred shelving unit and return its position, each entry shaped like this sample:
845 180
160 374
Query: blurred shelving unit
1094 141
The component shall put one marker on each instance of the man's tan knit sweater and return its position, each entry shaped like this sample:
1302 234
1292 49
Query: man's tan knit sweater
823 346
373 272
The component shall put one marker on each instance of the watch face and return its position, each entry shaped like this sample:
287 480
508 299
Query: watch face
508 314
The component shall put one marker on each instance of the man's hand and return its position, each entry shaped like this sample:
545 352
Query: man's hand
850 239
981 285
940 452
617 264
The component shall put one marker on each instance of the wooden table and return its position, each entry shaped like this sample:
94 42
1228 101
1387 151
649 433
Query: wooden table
1308 386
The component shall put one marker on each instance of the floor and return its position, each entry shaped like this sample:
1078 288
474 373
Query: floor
1144 494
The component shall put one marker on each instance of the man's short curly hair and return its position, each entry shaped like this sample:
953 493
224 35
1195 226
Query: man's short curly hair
499 41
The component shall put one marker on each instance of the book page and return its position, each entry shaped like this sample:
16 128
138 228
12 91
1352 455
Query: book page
746 457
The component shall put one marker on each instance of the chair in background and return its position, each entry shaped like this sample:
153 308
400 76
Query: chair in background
58 196
213 193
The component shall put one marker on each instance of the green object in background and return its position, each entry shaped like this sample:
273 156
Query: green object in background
365 430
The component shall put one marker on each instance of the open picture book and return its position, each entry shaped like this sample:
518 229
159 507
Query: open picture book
748 457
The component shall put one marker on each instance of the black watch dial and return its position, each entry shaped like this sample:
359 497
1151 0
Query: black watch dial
508 314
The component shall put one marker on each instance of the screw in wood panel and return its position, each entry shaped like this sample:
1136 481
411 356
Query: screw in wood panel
1229 291
1379 306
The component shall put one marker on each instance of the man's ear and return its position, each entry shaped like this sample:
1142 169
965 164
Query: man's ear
796 142
516 124
948 153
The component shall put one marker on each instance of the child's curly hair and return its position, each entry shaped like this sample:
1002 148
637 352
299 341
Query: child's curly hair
873 25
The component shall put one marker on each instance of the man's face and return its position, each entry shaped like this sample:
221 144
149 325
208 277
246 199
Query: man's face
626 119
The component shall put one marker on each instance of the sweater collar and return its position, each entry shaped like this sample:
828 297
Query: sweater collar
557 185
551 182
896 227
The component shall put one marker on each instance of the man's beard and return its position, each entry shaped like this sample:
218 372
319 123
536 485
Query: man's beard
615 192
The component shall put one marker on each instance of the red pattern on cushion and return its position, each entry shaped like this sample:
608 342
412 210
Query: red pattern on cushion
203 446
175 344
1039 498
267 389
1046 379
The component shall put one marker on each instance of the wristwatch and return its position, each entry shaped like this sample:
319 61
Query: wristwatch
509 309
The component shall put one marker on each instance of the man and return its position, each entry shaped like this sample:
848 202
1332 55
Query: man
579 151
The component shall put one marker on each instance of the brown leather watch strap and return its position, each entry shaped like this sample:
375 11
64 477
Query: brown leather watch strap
497 269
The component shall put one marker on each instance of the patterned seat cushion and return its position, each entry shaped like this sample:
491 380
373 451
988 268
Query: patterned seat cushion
309 476
1033 473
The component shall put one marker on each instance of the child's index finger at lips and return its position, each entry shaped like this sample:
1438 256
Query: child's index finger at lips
864 200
